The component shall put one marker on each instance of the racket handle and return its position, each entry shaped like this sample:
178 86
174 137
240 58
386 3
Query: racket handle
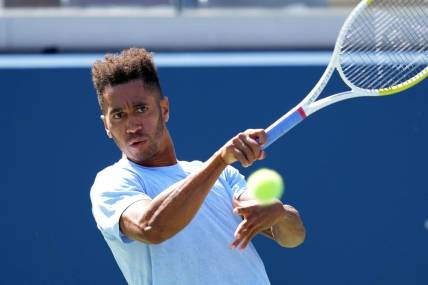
283 125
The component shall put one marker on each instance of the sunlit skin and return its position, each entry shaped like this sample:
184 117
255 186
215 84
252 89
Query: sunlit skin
135 117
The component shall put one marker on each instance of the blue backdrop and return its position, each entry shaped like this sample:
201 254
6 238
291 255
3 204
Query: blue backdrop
357 172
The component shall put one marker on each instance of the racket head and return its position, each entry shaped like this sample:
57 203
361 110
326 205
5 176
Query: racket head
382 48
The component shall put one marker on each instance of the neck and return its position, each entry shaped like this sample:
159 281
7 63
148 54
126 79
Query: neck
168 150
166 155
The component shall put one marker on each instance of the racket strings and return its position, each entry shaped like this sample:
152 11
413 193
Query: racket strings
411 70
354 53
386 45
403 46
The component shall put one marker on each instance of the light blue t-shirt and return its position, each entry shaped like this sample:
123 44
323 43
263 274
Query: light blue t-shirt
197 255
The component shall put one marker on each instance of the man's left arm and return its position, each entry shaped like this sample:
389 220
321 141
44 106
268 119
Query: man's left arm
277 221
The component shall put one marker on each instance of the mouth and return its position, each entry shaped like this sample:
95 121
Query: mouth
137 142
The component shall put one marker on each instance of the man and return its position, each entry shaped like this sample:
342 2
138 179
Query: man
176 222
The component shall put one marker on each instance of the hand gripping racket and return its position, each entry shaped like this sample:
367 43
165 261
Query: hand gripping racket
382 49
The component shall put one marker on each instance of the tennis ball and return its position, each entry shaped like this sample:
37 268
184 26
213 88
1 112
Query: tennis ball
265 185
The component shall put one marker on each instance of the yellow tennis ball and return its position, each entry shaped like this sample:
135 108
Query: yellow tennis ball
265 185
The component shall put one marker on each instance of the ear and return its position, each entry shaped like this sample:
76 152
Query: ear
103 118
164 103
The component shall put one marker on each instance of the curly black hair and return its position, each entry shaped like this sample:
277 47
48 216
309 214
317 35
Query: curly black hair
131 64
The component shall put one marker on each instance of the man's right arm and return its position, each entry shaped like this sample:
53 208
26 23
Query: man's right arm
154 221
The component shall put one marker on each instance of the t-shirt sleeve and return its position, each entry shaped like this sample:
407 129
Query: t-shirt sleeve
111 193
236 181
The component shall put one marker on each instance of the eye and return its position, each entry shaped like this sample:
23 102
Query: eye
117 115
141 109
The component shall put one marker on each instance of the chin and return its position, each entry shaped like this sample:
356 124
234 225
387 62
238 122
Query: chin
140 157
137 157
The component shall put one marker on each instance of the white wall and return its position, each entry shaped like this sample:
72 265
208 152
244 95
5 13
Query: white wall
70 29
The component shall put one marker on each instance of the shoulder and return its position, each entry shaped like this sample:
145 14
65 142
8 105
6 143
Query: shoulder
116 177
118 171
190 166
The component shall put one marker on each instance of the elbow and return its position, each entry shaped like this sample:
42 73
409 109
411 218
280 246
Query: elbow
295 234
152 238
149 235
293 242
294 239
153 234
143 229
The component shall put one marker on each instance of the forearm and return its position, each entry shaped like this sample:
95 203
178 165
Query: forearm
173 209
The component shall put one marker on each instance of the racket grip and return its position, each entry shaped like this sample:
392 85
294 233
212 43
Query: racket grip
283 125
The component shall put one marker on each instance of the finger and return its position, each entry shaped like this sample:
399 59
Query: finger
236 202
255 219
244 146
246 233
245 230
247 239
240 157
243 227
240 227
253 145
245 203
241 234
262 155
237 240
235 243
259 135
246 210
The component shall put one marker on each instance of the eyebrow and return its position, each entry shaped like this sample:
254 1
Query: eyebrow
115 110
140 104
119 109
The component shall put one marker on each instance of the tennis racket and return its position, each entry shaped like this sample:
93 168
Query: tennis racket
382 49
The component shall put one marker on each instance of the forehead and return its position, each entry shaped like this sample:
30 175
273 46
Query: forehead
128 93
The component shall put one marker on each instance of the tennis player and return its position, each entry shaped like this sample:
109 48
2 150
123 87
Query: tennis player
169 221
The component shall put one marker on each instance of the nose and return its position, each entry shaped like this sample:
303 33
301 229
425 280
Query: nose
133 125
